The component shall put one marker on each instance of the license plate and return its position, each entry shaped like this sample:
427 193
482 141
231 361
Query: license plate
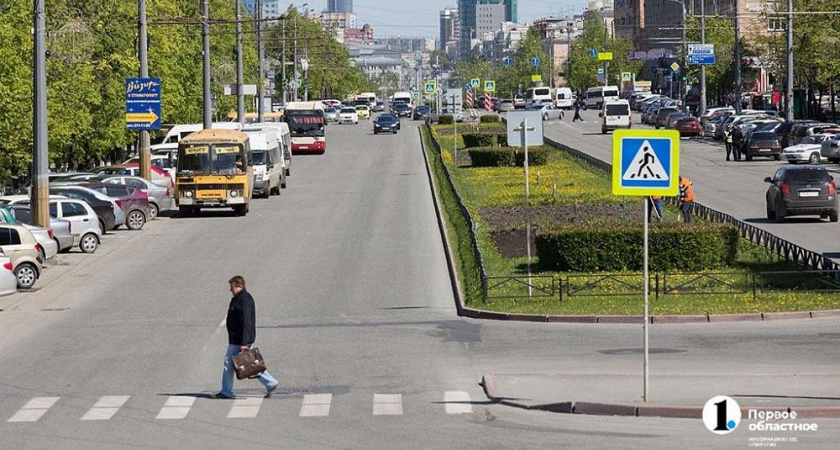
809 193
304 147
764 149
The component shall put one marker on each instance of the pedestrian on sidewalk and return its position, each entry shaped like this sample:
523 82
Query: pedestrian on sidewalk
577 112
727 139
686 198
654 208
242 332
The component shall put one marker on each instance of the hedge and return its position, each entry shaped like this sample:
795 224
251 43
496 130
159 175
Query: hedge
489 118
506 156
484 139
616 246
446 119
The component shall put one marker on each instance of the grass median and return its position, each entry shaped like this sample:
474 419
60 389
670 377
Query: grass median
566 188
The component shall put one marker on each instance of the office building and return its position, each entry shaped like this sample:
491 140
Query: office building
339 6
467 19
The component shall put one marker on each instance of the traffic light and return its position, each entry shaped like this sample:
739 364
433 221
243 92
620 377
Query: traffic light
684 78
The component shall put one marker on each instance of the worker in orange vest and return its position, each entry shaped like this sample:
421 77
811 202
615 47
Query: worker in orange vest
686 198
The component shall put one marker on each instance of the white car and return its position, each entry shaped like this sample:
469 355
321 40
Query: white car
8 280
807 151
348 115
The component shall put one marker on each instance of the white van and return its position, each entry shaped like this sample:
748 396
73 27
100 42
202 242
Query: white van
402 97
616 114
282 129
563 98
169 144
538 95
266 157
596 96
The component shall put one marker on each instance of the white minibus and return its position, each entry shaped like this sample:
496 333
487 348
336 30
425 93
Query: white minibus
596 96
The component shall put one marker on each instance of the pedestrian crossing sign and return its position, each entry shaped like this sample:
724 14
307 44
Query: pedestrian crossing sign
645 162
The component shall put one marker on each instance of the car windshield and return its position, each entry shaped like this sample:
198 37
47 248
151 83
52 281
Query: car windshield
618 110
386 118
329 110
762 135
425 109
258 157
348 110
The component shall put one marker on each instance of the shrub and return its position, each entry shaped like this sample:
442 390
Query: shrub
616 246
537 156
489 118
480 139
491 156
446 119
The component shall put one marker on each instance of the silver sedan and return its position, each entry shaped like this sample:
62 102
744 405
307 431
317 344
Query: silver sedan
160 198
548 111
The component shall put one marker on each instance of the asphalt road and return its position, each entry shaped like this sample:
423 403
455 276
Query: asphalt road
733 187
356 319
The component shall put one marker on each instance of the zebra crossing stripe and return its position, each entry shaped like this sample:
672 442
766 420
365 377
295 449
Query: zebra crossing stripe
244 408
176 407
387 405
34 409
316 405
457 402
106 407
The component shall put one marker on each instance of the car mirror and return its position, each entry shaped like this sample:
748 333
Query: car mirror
768 180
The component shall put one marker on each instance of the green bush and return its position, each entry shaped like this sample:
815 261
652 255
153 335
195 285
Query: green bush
491 156
537 156
616 246
446 119
489 118
480 139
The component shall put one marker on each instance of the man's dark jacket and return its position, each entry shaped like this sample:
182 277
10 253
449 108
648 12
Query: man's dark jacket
242 319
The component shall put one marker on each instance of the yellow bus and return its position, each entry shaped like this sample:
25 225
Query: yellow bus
213 172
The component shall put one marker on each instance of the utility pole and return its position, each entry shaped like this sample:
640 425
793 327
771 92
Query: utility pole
703 66
737 60
260 61
283 69
205 46
39 196
240 95
306 68
294 64
789 93
143 53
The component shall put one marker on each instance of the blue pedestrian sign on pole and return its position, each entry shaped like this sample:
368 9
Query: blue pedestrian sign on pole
142 103
702 54
645 162
535 62
508 61
593 53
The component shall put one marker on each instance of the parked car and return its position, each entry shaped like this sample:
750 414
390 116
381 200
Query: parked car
160 177
830 148
348 115
44 236
8 280
808 150
505 105
160 198
107 210
331 114
688 126
23 249
62 232
763 143
421 112
84 222
133 201
801 190
662 117
547 111
519 101
363 111
386 122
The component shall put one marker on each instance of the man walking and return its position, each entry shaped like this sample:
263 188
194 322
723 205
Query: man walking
577 112
242 332
686 198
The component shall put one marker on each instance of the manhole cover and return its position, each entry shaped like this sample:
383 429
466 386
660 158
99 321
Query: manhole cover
639 351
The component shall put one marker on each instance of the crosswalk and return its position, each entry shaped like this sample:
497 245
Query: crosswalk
178 407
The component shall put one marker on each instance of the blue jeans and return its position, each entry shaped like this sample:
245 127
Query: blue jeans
685 208
227 375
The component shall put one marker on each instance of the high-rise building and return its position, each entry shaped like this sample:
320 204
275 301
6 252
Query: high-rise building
449 26
339 6
467 19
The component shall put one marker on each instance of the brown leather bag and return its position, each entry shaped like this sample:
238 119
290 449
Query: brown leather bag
248 364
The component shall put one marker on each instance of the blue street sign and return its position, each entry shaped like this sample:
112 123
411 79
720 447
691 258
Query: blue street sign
468 86
508 61
593 53
645 162
535 62
701 59
142 103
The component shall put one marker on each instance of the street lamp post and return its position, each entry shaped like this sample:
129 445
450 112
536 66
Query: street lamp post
702 66
789 93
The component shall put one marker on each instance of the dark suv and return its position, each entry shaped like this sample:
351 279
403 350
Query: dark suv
801 191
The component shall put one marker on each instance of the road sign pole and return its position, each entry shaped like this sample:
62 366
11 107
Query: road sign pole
144 152
524 127
647 295
39 196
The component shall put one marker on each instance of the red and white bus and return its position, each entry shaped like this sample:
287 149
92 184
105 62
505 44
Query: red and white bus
306 125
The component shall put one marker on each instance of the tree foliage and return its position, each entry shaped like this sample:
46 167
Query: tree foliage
583 69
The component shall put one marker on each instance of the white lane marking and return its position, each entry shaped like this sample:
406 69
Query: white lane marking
34 409
245 408
457 402
316 405
387 405
176 407
106 407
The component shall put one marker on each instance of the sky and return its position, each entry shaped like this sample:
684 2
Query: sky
422 17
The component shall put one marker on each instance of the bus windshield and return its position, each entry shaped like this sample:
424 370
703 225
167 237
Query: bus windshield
305 124
218 159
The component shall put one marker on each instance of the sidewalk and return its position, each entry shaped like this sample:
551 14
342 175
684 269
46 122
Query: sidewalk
671 395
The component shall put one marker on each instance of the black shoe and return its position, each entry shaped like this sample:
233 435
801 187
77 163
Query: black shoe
271 389
219 395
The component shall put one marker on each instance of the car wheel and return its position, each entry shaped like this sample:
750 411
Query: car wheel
835 161
814 158
102 227
240 210
832 216
26 275
780 213
184 211
545 117
288 171
777 157
603 131
153 211
88 243
135 220
748 157
771 215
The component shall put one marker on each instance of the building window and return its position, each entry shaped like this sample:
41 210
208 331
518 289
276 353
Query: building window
776 24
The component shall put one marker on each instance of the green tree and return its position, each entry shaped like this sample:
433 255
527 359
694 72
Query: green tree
584 68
